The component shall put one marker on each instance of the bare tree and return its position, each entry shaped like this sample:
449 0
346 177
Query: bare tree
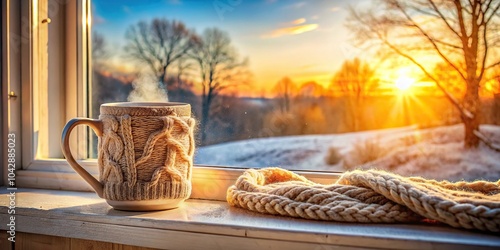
355 80
462 34
185 68
311 89
285 90
159 44
219 67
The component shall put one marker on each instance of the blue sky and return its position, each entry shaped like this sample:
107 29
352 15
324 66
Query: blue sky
305 40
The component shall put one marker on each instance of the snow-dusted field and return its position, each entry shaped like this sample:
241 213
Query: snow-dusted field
432 153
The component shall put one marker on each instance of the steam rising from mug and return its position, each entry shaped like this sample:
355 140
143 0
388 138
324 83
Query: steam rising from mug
147 88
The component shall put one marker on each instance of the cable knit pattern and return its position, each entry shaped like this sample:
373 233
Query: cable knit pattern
370 197
146 154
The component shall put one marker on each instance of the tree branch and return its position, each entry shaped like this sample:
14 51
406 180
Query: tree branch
485 55
493 65
486 141
464 37
454 102
452 99
431 40
444 19
495 10
447 44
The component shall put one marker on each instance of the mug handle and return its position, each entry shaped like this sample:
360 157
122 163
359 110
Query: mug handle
96 125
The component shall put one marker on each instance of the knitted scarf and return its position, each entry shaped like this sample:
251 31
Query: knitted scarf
369 197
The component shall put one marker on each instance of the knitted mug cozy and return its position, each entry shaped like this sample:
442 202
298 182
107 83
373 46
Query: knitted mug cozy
370 197
145 153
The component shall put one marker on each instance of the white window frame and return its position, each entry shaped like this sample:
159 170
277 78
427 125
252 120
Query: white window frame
209 182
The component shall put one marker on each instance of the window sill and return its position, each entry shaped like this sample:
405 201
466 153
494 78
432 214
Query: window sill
203 224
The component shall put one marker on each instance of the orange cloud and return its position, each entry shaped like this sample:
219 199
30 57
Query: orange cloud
294 30
298 21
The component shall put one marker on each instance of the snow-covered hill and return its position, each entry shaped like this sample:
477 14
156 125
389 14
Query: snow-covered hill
432 153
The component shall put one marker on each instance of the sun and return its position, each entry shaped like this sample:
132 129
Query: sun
404 83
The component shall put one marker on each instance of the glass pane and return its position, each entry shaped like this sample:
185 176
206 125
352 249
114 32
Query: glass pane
312 85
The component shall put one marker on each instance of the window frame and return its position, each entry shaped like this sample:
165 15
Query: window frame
34 75
209 182
10 81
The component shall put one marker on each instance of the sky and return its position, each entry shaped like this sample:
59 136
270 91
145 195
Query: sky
304 40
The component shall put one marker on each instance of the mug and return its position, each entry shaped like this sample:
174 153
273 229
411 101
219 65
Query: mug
145 154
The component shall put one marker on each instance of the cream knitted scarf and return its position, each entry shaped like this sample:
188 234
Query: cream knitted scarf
370 197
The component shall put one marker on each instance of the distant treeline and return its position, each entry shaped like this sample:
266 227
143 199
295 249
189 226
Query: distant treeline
236 118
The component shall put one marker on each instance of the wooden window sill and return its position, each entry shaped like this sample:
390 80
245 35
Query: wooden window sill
203 224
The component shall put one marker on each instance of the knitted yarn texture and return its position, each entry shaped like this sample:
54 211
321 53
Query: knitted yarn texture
145 154
369 196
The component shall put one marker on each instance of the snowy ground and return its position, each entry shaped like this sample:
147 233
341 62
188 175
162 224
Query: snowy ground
432 153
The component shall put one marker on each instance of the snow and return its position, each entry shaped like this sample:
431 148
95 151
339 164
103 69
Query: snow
439 154
435 153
